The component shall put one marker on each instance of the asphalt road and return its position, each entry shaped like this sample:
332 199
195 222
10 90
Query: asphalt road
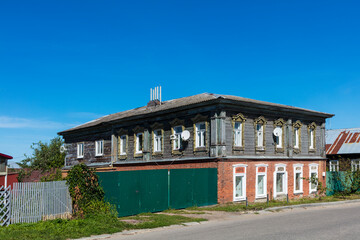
330 222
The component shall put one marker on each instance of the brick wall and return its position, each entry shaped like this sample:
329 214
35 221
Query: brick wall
225 177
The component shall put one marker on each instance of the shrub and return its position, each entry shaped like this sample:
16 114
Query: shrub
84 189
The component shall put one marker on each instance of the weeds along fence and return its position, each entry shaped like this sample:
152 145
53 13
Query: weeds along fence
36 201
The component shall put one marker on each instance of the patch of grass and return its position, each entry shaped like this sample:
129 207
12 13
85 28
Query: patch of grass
60 229
151 220
241 207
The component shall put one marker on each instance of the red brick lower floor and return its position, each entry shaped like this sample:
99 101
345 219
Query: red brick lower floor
241 179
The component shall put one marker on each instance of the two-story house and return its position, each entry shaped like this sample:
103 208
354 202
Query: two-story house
259 149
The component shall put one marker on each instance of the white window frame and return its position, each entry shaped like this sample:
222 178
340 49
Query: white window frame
123 139
312 142
334 165
297 138
80 150
157 144
238 134
301 171
279 138
137 150
178 137
355 165
202 133
243 197
285 179
99 148
312 190
265 181
260 132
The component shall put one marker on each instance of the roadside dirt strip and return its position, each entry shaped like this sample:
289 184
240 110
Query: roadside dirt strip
309 217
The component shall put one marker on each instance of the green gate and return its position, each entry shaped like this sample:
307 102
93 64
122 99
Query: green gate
134 192
193 187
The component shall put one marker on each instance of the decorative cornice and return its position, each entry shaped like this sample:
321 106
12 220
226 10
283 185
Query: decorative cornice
199 118
177 122
138 129
157 125
312 126
122 131
260 120
239 117
297 124
279 122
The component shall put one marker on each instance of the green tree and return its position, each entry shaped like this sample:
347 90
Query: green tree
46 157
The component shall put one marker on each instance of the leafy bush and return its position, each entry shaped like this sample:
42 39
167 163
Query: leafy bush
84 189
100 208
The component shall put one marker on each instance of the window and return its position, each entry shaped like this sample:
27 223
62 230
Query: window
238 124
298 178
80 150
261 181
157 141
99 148
259 125
311 131
312 135
334 166
260 135
177 140
238 134
200 130
313 175
239 173
139 143
280 180
278 139
279 134
297 136
123 143
355 165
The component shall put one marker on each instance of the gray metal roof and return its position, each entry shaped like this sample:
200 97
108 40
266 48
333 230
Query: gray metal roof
343 141
182 102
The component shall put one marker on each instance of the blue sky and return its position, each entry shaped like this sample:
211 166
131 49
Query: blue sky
63 63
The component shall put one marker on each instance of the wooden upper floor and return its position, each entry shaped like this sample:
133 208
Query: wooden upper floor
219 126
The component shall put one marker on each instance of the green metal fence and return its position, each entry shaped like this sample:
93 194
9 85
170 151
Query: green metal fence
134 192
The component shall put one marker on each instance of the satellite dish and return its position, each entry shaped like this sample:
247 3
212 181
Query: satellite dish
277 131
185 135
62 148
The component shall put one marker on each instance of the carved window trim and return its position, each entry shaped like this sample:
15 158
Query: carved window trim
240 119
297 125
123 156
206 147
157 153
176 151
312 127
260 121
280 123
138 130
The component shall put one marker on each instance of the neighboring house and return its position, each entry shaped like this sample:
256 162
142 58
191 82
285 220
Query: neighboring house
343 149
6 178
258 148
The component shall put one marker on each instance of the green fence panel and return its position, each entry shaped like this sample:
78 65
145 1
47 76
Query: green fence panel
334 182
134 192
193 187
